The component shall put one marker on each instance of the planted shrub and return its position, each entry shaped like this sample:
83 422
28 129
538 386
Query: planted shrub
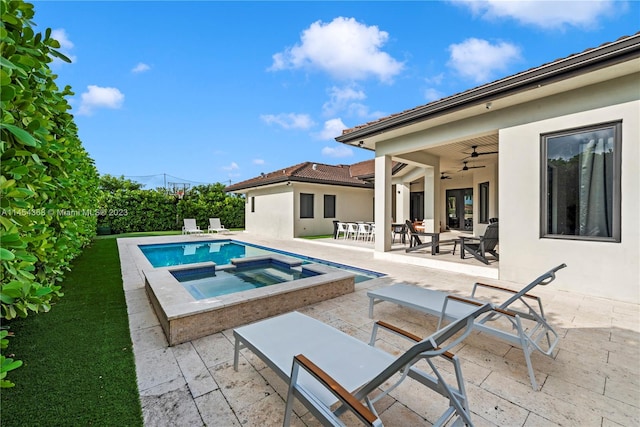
125 207
48 182
210 201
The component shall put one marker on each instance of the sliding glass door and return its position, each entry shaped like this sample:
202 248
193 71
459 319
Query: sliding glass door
460 209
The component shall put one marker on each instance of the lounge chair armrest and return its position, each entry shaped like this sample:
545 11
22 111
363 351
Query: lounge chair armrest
499 288
358 408
397 330
479 303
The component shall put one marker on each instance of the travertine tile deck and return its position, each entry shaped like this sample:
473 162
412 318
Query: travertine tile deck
593 380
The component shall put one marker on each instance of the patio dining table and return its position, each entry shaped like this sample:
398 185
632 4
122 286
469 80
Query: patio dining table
434 244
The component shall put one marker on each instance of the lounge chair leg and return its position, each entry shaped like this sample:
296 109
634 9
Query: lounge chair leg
236 354
290 395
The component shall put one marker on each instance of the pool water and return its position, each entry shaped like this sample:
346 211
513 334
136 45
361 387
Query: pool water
221 252
207 283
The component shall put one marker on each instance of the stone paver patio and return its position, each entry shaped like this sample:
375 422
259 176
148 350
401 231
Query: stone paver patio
593 380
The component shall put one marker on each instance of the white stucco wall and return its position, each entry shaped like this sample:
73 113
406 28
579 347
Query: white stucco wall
273 214
606 269
277 209
352 204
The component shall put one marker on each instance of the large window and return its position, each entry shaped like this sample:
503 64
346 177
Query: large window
329 206
581 183
306 205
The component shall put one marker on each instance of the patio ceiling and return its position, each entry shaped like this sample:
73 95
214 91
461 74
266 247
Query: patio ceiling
453 154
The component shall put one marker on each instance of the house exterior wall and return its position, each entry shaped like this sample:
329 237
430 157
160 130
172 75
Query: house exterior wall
610 270
606 269
277 209
352 204
273 214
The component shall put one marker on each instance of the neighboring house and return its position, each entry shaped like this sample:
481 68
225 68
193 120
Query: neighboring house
559 158
305 199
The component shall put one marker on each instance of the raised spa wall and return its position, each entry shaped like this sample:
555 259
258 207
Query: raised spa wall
183 318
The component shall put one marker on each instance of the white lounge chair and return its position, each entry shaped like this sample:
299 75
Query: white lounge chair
190 226
337 367
216 227
526 325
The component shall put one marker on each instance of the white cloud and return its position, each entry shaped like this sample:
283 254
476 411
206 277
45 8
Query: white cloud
341 99
232 167
436 80
479 60
289 120
432 94
344 48
66 45
337 151
545 14
331 129
100 97
258 161
140 68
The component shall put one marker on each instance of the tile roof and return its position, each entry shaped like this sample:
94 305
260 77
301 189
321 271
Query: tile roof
576 59
319 173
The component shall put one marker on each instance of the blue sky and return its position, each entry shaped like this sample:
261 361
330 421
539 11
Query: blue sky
211 91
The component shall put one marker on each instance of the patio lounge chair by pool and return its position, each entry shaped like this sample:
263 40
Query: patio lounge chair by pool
337 367
216 227
190 227
523 325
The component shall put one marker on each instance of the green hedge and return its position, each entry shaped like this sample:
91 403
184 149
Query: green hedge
48 183
210 201
125 208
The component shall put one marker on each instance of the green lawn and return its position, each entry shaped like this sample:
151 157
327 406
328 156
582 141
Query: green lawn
78 359
323 236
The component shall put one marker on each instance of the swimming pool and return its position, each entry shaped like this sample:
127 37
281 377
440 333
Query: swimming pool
186 314
222 252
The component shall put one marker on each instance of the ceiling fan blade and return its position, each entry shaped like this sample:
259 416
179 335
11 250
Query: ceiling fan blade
475 154
467 167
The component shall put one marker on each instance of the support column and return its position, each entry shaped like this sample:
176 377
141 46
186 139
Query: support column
432 199
382 196
403 202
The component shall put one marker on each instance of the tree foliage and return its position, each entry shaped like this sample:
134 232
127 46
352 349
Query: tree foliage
48 182
126 208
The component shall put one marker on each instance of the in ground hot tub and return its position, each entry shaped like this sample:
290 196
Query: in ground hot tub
241 275
201 299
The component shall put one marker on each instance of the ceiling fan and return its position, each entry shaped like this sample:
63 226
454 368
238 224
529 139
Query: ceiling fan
443 175
466 168
475 154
